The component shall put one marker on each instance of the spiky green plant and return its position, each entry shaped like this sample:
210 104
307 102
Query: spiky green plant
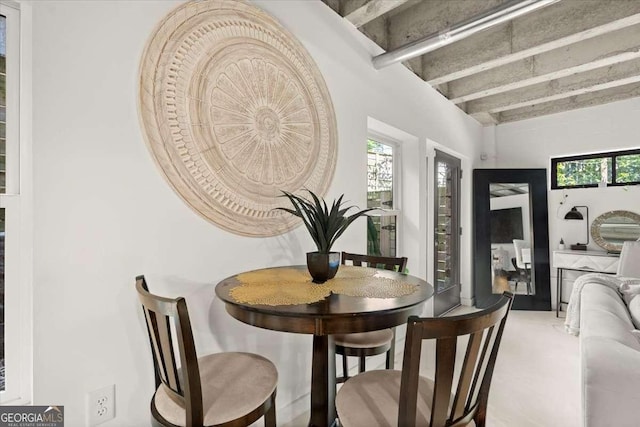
324 225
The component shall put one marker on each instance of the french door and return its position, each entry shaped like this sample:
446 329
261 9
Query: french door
446 233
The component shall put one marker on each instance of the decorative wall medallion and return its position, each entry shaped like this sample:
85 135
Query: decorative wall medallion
234 110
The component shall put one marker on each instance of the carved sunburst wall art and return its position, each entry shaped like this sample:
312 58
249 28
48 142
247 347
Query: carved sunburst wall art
234 110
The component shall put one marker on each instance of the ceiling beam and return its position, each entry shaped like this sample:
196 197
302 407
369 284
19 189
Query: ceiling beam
606 50
577 84
371 10
485 118
432 16
558 25
417 18
581 101
460 31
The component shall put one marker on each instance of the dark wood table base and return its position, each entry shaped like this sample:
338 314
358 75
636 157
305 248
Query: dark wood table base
323 382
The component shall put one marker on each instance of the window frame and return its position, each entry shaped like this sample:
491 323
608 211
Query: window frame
396 209
18 209
603 155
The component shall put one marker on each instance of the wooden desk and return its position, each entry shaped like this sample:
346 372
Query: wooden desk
337 314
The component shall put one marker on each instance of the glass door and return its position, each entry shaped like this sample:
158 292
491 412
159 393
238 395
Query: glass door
446 233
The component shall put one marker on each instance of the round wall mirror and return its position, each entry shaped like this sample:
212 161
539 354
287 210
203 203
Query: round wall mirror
611 229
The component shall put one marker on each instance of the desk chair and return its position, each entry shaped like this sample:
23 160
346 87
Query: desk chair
365 344
404 398
222 389
523 270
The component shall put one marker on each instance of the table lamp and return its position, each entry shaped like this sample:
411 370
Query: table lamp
574 213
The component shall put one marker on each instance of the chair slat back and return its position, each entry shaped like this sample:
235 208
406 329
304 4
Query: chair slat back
162 345
388 263
484 329
445 365
169 327
467 375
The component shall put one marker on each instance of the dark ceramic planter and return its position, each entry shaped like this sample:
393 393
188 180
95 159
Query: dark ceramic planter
323 267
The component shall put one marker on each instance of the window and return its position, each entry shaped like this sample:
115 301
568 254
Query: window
382 193
593 170
14 329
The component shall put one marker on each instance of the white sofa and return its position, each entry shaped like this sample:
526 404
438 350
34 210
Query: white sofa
610 358
610 347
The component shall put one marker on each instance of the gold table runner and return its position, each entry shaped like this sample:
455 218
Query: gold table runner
289 286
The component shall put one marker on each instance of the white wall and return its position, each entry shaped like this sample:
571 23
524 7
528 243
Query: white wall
103 213
532 143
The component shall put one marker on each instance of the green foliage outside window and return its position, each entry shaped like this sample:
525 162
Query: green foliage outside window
628 168
616 168
381 230
583 172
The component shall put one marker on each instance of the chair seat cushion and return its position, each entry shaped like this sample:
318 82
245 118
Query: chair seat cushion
233 385
371 399
364 339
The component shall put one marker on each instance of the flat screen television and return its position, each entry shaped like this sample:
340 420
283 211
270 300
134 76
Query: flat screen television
506 225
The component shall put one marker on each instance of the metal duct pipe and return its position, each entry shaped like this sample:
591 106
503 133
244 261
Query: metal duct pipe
488 19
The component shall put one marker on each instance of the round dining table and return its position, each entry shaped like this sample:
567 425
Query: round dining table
335 314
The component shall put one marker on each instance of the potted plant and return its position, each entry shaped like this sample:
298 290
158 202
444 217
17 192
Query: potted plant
325 226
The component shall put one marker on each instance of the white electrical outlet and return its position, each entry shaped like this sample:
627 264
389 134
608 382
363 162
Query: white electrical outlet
101 405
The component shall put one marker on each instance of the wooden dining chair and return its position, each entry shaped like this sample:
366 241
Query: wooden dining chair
404 398
365 344
222 389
